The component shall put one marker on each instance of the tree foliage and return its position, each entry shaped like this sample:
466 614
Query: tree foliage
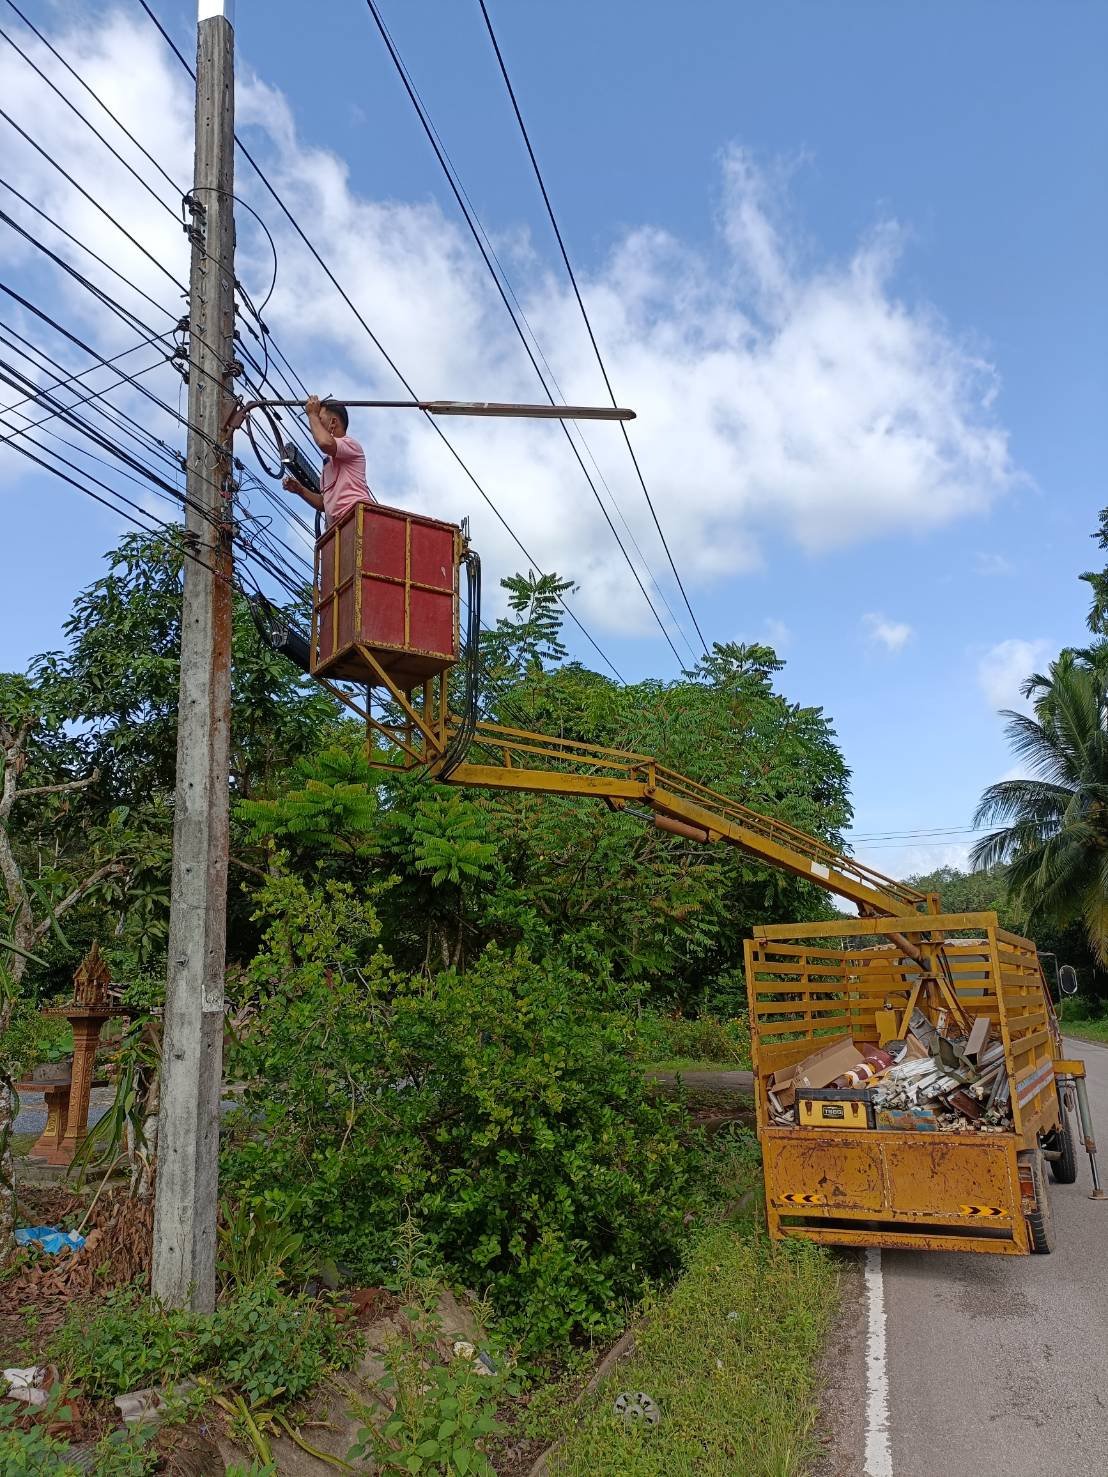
1054 824
499 1107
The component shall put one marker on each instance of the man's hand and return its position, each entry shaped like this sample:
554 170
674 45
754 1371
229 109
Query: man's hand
320 434
313 499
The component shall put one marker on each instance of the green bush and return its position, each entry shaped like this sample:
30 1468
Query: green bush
267 1344
501 1108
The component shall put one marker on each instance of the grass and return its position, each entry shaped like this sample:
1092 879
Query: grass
1086 1029
729 1357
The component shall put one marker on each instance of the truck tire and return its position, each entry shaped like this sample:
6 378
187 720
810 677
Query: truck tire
1040 1221
1063 1171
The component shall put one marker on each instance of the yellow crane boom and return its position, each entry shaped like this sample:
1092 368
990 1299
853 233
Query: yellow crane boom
539 764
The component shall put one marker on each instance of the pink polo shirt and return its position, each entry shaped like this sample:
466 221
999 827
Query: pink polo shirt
342 482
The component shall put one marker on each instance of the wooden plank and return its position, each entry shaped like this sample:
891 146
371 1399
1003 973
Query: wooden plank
780 967
1013 960
1022 1044
1015 940
830 971
911 923
1031 1020
776 1013
830 987
843 1023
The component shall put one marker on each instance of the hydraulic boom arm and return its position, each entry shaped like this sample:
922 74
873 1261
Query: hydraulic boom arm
518 760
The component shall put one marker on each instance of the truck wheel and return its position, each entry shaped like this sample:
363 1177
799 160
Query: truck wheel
1040 1221
1063 1171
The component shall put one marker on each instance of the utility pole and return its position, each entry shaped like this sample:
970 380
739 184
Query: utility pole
186 1196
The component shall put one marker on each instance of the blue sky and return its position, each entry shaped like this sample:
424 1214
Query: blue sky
710 163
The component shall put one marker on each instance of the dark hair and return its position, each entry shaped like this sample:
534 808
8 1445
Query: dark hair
339 409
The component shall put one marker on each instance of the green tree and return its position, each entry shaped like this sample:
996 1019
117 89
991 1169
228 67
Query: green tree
1098 582
49 867
1054 831
113 690
972 892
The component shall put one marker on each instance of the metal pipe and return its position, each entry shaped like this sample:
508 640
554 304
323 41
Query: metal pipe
680 828
468 407
1086 1119
906 946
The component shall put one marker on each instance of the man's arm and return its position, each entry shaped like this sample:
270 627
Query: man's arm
323 438
313 499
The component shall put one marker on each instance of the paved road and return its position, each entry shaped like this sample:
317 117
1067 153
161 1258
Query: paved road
992 1364
31 1117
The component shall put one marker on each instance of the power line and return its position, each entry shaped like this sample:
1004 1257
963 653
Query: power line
937 831
68 380
383 352
97 99
174 460
86 121
584 312
91 199
463 207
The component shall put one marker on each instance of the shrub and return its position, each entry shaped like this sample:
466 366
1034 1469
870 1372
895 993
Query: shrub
267 1344
500 1107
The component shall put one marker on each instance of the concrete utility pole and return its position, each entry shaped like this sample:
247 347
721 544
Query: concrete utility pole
192 1057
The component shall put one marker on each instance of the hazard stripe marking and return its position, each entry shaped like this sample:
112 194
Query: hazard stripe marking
797 1199
980 1210
1027 1087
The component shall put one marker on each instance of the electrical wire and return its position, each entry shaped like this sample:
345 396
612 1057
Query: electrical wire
584 312
68 380
176 188
382 350
430 133
279 552
547 369
87 122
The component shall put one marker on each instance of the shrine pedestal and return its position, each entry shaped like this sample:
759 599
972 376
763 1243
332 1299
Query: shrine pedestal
50 1146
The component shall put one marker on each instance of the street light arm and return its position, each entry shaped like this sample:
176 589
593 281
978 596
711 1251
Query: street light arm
454 407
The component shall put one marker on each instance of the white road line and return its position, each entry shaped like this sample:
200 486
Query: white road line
879 1452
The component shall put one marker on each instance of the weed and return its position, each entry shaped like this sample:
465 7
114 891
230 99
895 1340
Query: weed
728 1358
255 1242
442 1414
270 1345
672 1041
29 1453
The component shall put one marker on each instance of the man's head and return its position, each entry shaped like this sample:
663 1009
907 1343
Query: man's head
334 416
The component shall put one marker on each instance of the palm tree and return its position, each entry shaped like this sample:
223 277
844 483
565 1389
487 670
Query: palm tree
1054 824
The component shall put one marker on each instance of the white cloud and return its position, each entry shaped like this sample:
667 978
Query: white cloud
892 635
777 634
915 860
1004 667
993 564
779 397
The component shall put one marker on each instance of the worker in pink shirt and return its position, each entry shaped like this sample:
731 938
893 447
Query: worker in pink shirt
342 482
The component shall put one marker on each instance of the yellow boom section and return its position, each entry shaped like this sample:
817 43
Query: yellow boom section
534 762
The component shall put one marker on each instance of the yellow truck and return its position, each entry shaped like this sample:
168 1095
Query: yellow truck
872 1184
